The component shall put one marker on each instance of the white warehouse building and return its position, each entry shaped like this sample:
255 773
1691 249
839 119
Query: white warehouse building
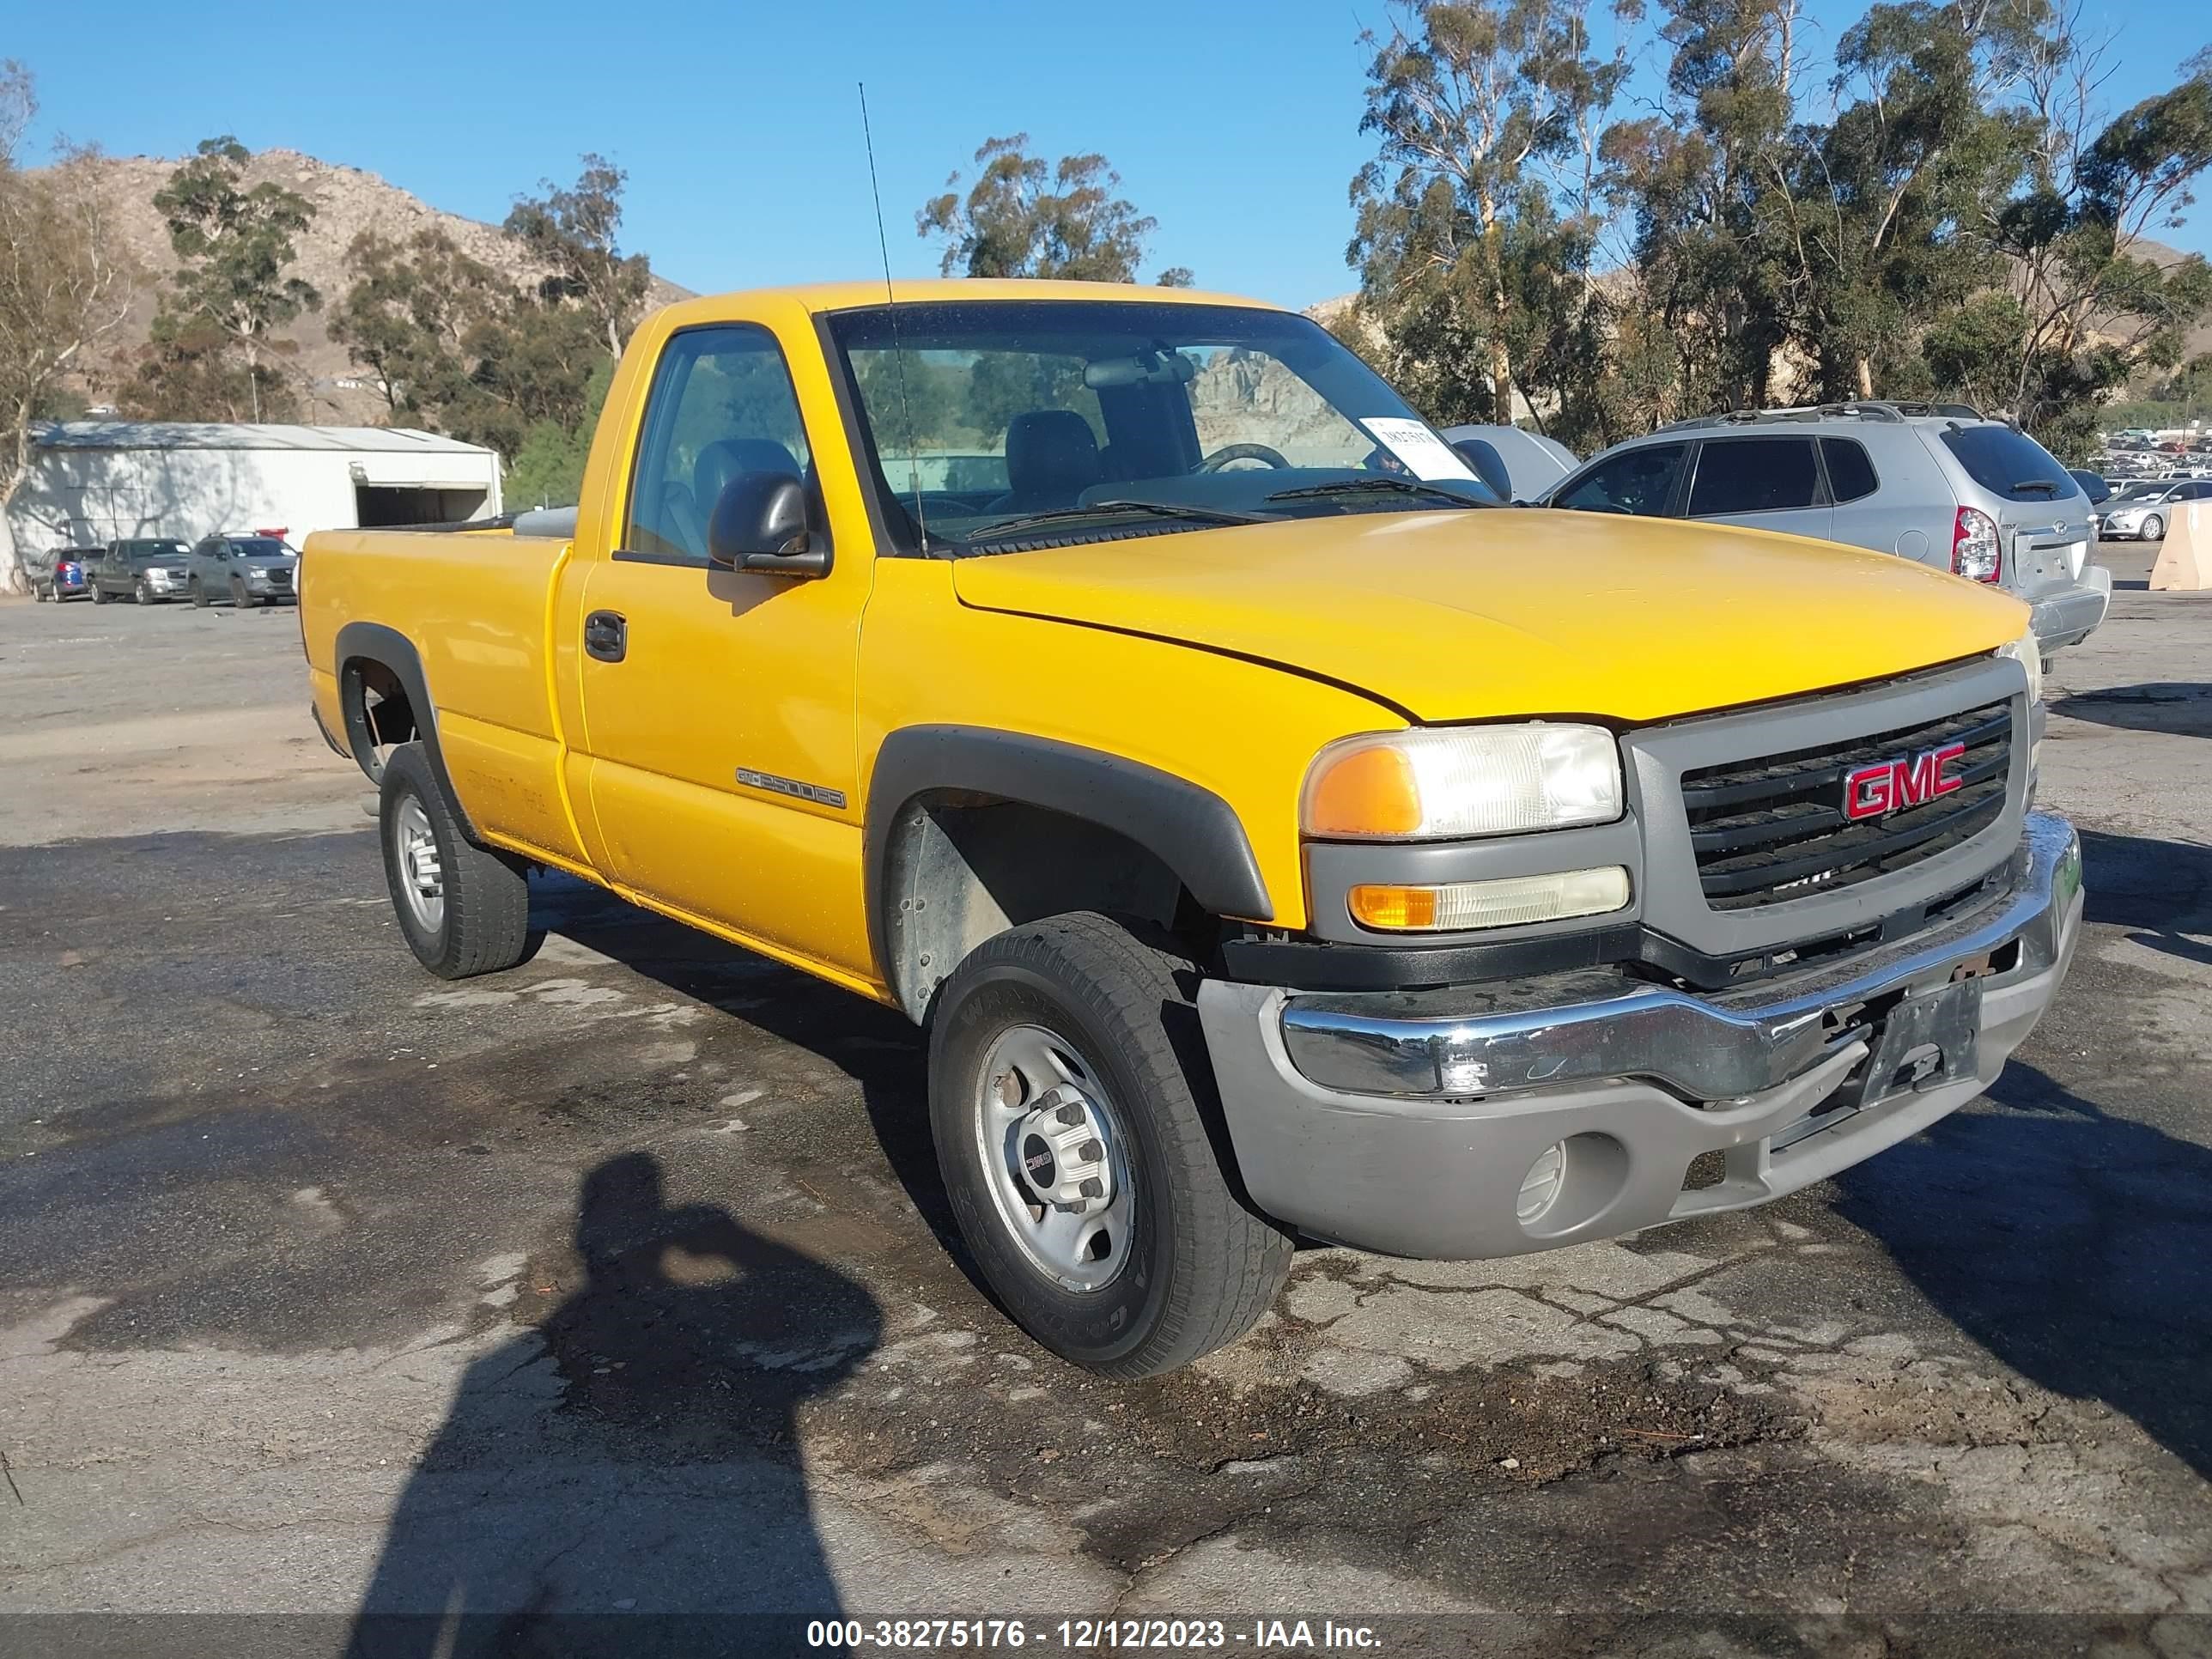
92 482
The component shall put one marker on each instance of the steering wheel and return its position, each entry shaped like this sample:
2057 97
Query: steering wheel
1229 452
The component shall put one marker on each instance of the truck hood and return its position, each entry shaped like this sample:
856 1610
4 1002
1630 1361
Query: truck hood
1469 616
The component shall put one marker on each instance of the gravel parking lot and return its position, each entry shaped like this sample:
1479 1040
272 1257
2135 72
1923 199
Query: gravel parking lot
616 1286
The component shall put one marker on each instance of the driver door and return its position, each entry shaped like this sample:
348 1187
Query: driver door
719 706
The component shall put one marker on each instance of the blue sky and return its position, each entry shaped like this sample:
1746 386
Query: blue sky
1235 125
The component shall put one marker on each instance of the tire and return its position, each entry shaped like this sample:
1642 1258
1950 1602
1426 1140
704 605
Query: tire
39 592
98 594
140 594
198 593
2154 528
239 596
1196 1266
480 922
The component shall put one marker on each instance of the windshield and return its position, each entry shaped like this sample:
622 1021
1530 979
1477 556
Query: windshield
2144 492
155 550
981 415
260 547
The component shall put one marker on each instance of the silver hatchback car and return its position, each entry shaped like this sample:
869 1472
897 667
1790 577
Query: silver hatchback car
1934 482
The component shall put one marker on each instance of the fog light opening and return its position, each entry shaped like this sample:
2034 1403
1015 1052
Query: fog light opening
1540 1188
1571 1183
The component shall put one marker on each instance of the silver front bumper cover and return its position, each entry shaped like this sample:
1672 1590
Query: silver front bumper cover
1708 1047
1592 1113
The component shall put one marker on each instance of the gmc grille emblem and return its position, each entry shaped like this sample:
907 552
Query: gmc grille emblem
1891 786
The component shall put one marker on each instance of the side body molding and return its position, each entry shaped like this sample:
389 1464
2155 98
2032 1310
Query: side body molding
1188 828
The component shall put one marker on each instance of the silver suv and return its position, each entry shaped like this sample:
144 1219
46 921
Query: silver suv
1936 482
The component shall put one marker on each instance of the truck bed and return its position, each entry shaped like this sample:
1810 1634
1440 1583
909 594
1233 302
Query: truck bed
476 608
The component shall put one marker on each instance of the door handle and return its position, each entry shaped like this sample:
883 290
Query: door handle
606 635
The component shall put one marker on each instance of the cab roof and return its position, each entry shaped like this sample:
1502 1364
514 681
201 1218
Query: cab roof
854 295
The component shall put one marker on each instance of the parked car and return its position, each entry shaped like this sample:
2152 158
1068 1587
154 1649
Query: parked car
2092 486
246 570
62 573
2142 510
148 569
1307 847
1934 482
1521 466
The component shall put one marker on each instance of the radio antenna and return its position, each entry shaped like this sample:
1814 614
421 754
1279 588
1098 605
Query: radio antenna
890 310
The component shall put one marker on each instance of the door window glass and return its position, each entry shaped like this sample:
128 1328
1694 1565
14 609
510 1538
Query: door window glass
1640 481
1753 475
1850 470
722 404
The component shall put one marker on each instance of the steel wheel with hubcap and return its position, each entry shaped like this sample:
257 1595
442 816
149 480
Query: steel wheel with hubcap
1053 1155
140 594
422 878
1076 1130
464 908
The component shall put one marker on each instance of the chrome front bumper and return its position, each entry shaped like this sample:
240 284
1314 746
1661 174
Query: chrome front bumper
1412 1122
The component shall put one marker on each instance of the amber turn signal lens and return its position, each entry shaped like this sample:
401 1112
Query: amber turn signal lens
1370 792
1506 903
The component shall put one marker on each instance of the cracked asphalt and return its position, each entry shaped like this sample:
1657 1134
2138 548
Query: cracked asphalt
503 1316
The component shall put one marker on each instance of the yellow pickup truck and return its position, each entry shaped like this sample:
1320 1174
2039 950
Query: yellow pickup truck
1278 837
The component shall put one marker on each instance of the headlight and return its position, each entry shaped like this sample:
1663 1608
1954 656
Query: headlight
2029 655
1435 783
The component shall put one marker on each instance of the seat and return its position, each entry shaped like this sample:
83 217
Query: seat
718 464
1051 458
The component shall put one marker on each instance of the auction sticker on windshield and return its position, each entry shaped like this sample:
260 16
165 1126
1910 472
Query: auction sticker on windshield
1425 455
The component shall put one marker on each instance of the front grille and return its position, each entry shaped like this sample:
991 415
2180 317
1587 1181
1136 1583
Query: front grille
1768 831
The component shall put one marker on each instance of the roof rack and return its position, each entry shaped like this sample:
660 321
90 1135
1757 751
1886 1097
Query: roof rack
1867 410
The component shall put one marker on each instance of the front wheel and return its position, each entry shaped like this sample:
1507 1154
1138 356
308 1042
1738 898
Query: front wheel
198 593
240 597
464 909
1079 1140
2154 528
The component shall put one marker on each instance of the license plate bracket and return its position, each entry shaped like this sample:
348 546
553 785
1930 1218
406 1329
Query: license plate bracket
1922 1043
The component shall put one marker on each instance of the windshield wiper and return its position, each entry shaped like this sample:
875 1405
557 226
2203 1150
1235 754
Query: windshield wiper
2049 486
1382 483
1106 509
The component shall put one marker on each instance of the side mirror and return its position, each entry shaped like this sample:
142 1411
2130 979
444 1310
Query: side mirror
759 524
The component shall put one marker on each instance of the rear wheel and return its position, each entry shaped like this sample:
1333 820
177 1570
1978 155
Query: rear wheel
464 909
1079 1137
41 592
98 594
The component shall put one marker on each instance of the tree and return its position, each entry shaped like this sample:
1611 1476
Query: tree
1026 217
572 229
547 467
409 317
65 287
1483 111
234 247
2086 306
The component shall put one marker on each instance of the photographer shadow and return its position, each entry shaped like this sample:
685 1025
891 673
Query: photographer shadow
626 1478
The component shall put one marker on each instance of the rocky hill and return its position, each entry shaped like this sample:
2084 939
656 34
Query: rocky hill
347 202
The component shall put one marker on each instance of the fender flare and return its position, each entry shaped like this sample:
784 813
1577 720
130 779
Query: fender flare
366 641
1188 828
